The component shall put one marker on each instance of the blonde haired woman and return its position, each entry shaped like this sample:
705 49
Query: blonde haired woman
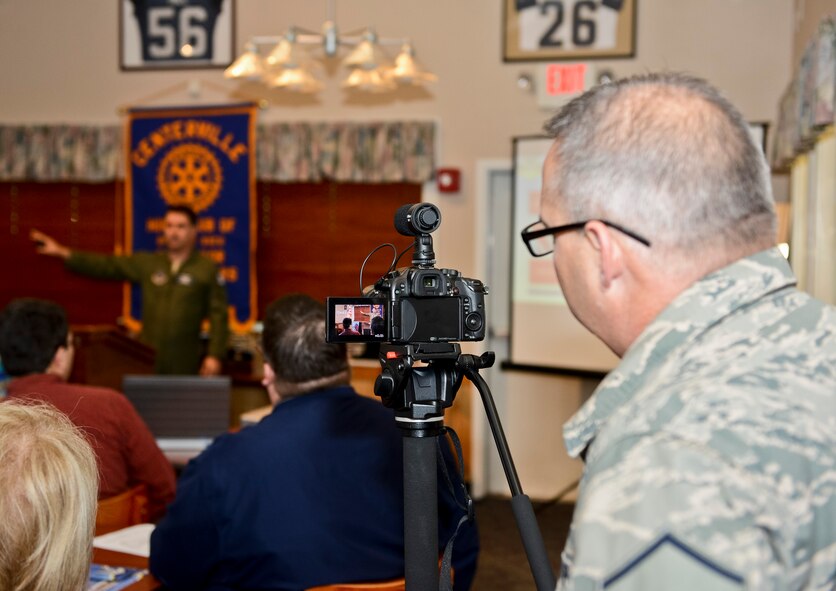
47 500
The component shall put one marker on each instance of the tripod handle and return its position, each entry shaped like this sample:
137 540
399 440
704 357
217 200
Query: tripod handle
535 549
470 368
532 539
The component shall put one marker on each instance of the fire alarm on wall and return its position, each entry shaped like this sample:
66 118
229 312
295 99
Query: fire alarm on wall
447 180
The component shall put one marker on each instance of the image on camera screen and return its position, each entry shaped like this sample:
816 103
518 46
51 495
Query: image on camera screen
356 320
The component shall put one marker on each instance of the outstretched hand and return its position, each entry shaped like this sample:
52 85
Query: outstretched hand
47 245
211 366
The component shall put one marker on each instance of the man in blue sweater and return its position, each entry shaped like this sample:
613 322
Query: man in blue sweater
311 495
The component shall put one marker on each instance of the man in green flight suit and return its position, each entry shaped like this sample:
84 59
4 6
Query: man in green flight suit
179 289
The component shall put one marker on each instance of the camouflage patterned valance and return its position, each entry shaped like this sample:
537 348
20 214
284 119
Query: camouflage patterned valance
285 152
60 153
808 105
347 152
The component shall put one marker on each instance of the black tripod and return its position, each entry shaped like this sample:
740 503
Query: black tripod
419 396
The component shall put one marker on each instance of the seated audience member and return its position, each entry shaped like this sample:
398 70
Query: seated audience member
47 500
37 350
378 326
311 495
347 330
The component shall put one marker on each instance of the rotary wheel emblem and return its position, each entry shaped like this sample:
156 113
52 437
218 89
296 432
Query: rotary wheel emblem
190 175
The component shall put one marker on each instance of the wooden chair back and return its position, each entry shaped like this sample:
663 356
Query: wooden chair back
390 585
123 510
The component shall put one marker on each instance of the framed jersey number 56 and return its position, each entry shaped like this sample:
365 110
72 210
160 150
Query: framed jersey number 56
569 29
172 34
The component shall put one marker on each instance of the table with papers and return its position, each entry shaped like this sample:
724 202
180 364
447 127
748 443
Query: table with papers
120 560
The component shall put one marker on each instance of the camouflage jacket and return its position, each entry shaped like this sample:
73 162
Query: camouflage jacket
711 449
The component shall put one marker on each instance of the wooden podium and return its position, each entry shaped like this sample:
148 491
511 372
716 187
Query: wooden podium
104 354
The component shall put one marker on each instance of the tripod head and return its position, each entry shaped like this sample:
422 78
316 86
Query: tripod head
420 394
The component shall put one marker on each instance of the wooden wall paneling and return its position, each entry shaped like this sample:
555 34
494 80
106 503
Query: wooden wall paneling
365 220
293 256
314 237
80 216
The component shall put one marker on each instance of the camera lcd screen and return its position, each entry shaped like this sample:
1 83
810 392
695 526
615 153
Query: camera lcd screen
356 320
430 319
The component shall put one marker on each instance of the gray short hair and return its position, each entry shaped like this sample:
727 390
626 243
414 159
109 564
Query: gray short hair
48 499
668 157
294 345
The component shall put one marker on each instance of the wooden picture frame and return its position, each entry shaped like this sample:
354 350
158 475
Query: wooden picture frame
760 132
556 30
188 34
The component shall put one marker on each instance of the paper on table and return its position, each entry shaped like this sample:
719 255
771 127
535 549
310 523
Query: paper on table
135 539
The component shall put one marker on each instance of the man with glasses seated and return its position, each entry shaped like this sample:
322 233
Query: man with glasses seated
710 450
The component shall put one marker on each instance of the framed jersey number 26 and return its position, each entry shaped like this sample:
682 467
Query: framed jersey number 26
569 29
172 34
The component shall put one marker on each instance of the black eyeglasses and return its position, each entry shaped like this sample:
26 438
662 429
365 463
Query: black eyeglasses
540 239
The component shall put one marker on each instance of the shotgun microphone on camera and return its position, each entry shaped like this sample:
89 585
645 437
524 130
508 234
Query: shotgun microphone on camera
416 219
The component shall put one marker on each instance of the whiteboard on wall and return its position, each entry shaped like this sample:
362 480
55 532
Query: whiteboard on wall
544 333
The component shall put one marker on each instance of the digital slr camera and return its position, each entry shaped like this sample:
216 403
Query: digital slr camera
418 304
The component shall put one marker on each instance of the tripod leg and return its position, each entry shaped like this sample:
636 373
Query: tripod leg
535 549
420 513
532 541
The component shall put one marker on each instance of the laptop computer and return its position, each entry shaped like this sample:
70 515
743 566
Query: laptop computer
184 413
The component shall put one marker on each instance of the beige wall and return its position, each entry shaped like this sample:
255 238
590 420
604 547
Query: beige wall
65 69
59 64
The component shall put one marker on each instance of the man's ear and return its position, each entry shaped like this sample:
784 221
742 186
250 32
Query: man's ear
61 364
269 375
269 382
610 253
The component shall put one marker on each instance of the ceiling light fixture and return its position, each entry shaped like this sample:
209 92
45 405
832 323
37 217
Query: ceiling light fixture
285 61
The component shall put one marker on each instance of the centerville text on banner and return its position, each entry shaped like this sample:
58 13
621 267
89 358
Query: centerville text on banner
202 158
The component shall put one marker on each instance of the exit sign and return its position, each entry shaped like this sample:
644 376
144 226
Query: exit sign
562 79
559 83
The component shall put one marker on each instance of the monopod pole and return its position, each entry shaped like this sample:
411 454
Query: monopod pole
420 512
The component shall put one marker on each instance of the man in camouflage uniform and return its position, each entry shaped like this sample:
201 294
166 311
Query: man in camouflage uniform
710 450
180 288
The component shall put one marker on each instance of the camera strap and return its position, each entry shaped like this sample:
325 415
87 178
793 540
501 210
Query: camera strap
445 582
